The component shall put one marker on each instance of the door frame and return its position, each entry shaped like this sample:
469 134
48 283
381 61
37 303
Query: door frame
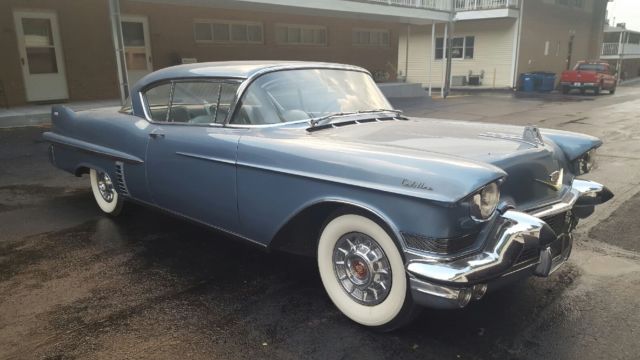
147 44
18 15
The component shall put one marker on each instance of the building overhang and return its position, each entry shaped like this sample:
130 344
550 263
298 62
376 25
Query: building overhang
486 14
370 11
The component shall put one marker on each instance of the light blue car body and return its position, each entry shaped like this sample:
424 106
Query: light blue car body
275 185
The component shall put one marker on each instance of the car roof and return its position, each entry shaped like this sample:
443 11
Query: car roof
232 69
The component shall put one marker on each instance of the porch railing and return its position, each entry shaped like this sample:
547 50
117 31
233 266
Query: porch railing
467 5
441 5
445 5
613 49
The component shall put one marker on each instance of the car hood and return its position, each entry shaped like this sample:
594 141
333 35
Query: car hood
442 160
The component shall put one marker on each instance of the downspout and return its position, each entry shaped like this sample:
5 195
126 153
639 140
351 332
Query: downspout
516 55
118 45
406 54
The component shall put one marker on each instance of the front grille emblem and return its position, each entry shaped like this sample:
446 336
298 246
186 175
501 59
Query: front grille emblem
555 180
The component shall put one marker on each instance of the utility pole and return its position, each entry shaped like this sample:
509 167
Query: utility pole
449 52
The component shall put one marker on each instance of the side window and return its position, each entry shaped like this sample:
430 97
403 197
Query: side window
201 102
157 99
191 102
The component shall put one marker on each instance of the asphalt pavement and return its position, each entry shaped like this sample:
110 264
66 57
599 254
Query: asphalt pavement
77 284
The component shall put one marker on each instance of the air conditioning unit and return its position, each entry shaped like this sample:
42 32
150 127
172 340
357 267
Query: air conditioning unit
458 80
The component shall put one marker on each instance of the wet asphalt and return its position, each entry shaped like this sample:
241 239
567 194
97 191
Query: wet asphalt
75 284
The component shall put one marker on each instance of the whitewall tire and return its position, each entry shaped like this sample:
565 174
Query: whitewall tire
107 198
363 272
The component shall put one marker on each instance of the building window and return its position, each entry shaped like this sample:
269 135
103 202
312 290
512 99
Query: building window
573 3
461 47
370 37
234 32
290 34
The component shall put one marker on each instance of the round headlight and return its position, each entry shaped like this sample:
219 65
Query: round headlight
485 202
586 162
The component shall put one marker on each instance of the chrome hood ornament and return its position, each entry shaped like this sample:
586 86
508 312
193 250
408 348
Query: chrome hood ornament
532 135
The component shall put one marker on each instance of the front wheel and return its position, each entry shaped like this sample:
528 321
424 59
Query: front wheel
107 198
363 273
612 91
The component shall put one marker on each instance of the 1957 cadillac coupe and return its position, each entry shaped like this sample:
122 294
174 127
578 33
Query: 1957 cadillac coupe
311 158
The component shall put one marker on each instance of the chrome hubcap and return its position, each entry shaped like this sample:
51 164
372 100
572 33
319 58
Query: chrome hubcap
105 187
362 268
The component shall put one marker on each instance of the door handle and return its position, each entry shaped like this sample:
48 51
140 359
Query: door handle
156 135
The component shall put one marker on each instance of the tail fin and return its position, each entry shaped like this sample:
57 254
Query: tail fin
60 115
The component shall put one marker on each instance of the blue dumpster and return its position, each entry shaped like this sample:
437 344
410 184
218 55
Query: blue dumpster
528 82
548 82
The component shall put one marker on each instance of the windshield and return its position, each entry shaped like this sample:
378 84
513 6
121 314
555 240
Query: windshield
293 95
592 67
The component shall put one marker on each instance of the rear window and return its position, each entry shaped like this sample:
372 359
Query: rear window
592 67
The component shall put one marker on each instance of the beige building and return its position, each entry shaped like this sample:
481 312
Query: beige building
495 41
59 50
56 50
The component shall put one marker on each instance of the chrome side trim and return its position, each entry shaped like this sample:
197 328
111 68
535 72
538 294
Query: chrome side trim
91 148
180 215
205 157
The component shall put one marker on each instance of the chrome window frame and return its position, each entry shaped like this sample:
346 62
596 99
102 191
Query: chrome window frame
219 80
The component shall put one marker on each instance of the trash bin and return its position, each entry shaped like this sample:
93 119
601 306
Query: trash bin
528 82
547 81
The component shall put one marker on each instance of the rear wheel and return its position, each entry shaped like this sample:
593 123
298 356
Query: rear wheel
107 198
612 91
363 273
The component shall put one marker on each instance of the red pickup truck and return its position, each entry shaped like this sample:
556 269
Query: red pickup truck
589 75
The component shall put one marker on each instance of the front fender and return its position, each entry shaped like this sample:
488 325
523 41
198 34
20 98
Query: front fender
572 144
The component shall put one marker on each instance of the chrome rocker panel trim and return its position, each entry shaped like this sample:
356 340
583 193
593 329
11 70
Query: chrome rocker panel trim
444 283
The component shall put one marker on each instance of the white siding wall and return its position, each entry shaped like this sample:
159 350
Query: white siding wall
493 52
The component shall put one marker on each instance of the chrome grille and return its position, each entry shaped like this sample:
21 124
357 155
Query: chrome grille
438 246
557 222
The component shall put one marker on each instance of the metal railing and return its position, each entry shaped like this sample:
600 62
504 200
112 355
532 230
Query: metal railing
466 5
441 5
445 5
614 49
609 49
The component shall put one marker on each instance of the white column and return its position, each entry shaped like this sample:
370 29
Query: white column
444 52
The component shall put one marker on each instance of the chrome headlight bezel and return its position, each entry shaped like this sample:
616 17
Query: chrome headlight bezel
585 163
484 202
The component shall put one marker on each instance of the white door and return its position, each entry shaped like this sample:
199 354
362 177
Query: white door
41 55
137 49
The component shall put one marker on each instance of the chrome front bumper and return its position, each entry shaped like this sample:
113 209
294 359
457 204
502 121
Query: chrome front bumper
447 283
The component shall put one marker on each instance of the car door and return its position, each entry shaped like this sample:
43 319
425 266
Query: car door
191 157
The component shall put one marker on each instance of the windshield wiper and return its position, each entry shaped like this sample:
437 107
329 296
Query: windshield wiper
316 121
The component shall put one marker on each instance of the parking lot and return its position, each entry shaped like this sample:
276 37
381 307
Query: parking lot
77 284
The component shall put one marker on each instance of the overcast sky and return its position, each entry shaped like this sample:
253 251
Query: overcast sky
626 11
